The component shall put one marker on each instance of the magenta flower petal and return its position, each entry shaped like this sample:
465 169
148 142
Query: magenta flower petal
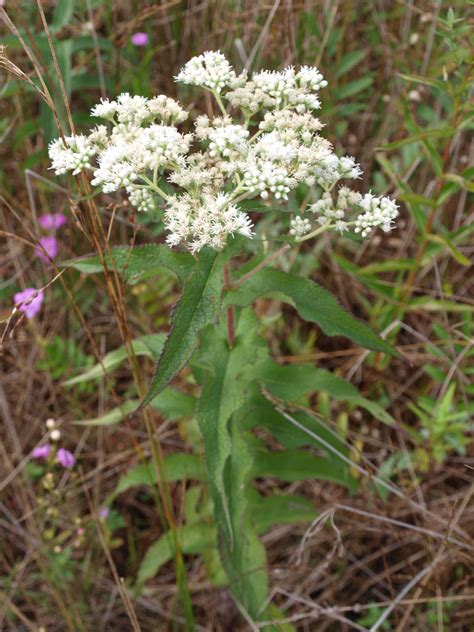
29 301
139 39
41 451
52 221
65 458
47 248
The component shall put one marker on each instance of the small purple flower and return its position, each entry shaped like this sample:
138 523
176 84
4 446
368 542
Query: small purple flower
47 248
65 458
29 301
139 39
104 513
41 451
52 221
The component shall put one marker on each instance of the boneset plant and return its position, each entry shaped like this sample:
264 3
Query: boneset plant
261 155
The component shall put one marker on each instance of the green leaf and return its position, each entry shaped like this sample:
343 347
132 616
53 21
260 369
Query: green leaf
174 404
279 509
451 247
199 306
244 558
296 465
138 263
113 416
353 87
171 403
434 305
64 53
418 199
62 14
434 83
223 393
292 381
193 538
463 182
149 345
229 460
313 303
418 137
261 413
178 467
350 60
374 409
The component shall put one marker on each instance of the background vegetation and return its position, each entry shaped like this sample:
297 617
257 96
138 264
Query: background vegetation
393 550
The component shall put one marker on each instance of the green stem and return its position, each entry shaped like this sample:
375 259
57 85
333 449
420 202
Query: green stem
217 97
155 188
316 232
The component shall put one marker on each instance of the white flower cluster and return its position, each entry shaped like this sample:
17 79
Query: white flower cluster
210 70
268 148
206 220
73 153
377 212
135 110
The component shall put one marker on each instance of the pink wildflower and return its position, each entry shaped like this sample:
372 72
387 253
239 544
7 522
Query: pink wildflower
29 301
47 248
41 451
139 39
52 221
65 458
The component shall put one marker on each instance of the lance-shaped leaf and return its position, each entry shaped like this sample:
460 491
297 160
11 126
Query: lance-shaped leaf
223 393
290 382
244 559
138 263
297 465
198 307
313 303
149 345
178 467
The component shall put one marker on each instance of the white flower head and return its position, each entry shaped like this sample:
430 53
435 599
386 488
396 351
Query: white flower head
132 110
310 77
265 144
140 198
277 85
74 154
204 221
210 70
299 226
229 140
168 110
105 109
378 212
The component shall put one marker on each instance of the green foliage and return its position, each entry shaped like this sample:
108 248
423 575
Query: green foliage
149 345
60 355
224 392
199 306
446 424
177 467
313 303
138 263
